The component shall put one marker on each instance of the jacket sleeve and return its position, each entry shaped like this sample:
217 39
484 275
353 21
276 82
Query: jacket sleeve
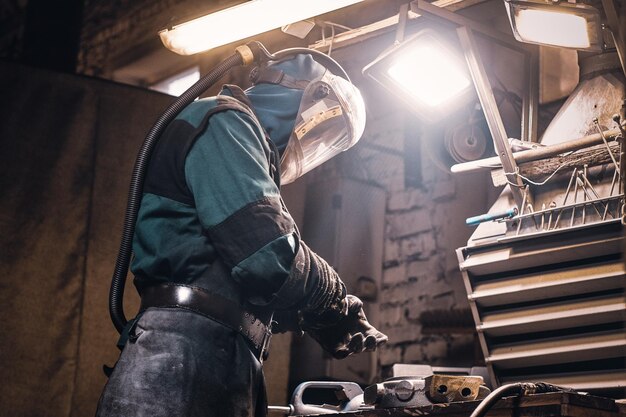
240 209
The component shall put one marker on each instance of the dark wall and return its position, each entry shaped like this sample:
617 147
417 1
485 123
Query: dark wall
67 145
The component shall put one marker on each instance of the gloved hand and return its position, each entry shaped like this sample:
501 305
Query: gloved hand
351 333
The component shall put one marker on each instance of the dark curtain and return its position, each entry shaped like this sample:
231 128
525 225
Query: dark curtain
67 146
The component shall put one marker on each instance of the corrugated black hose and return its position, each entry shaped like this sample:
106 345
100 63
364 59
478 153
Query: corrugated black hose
118 281
520 388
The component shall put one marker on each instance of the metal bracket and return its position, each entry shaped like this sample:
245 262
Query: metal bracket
466 29
617 30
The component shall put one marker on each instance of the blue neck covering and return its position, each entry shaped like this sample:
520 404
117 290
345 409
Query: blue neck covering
277 106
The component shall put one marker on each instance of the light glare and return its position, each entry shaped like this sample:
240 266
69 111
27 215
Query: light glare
553 28
242 21
429 74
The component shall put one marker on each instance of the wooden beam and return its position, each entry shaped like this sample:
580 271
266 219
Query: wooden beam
596 155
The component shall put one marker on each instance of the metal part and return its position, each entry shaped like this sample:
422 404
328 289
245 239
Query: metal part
551 302
349 395
519 223
448 389
475 220
595 121
530 99
420 392
492 115
403 17
617 30
552 205
279 409
569 187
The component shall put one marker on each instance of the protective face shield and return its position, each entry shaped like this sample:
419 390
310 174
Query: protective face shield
330 120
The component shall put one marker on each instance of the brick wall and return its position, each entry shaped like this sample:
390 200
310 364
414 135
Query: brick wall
424 227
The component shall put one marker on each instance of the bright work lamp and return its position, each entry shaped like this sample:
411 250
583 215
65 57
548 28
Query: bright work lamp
426 72
242 21
564 24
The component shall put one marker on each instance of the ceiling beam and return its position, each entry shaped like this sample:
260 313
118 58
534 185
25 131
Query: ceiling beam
384 26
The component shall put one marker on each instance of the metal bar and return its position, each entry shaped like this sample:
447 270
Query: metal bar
519 223
608 148
403 17
571 223
492 114
569 188
610 194
617 30
530 104
593 190
538 153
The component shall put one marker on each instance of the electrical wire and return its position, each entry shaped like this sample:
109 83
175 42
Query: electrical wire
517 389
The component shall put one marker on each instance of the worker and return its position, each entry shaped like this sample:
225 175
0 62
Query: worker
218 260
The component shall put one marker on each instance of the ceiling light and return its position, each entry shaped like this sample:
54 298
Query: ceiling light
242 21
568 25
426 72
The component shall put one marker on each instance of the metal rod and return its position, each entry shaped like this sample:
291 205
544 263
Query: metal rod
617 30
403 16
532 211
490 107
593 190
608 148
569 187
279 409
586 196
610 194
584 192
571 223
552 205
530 99
519 223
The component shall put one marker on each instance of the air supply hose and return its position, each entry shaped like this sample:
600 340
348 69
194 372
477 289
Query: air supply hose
118 281
245 55
520 388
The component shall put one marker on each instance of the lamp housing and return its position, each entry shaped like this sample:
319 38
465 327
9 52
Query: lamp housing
426 71
562 24
242 21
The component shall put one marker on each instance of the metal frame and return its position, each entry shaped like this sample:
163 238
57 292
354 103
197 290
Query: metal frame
466 32
531 274
617 30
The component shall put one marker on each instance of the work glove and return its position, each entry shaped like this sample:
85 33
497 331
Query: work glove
349 333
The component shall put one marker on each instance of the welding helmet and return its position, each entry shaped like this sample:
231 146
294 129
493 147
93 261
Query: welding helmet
329 117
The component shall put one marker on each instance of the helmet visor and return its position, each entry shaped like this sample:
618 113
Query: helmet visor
330 120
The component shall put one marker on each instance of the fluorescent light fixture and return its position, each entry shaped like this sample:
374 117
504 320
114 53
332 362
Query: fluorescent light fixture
242 21
426 72
567 25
